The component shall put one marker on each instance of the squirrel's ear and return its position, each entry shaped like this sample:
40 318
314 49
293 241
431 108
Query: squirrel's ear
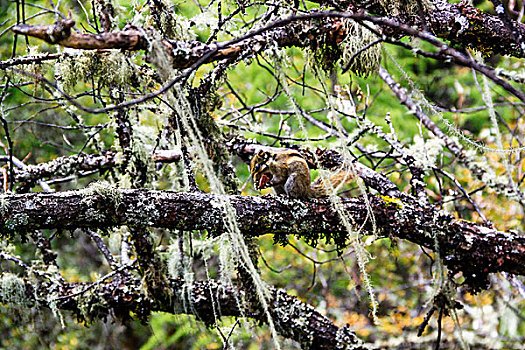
263 155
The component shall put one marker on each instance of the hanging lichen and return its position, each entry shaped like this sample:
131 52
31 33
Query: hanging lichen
178 100
107 68
169 23
356 56
352 230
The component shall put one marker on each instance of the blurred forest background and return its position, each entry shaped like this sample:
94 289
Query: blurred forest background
317 81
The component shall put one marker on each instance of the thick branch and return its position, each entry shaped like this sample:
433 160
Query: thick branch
302 31
293 319
462 24
184 54
471 248
71 165
468 27
60 33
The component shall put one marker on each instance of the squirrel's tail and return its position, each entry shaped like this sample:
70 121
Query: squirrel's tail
326 186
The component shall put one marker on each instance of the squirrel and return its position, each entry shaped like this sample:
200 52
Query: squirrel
288 173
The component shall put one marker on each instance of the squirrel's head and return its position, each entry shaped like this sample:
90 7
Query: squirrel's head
259 169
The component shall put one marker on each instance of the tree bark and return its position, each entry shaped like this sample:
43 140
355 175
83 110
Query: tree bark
205 299
461 24
473 249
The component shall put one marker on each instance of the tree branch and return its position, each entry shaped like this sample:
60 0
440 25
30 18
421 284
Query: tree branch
462 24
299 30
468 27
458 151
70 165
473 249
293 319
60 33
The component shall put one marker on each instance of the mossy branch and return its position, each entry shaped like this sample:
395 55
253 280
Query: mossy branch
294 319
473 249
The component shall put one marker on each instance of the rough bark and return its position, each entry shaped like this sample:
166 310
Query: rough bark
61 33
314 29
461 24
184 54
124 297
475 250
468 27
74 164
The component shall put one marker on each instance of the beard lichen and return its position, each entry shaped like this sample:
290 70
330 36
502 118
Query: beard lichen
353 230
324 54
358 37
169 23
108 68
360 49
187 118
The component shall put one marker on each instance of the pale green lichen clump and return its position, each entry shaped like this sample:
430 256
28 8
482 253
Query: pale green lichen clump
206 20
110 69
357 39
105 190
425 153
395 7
13 289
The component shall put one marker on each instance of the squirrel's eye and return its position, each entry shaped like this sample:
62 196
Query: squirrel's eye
257 166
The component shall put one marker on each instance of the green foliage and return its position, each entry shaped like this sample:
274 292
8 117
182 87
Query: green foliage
178 332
